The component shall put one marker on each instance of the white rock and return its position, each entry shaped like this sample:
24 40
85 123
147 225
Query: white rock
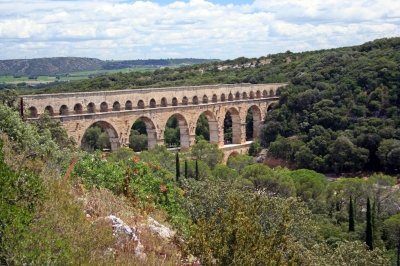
160 229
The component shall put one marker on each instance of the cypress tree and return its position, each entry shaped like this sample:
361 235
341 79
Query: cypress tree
197 171
368 230
186 169
351 216
178 169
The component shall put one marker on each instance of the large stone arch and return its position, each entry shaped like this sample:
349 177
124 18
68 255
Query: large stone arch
111 132
238 128
185 137
150 129
256 110
213 127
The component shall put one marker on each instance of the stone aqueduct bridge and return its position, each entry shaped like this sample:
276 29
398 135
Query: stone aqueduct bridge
118 110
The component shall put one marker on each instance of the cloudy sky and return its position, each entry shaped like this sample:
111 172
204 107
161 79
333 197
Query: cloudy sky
225 29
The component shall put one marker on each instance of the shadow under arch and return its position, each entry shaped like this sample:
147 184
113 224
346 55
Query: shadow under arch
111 132
236 125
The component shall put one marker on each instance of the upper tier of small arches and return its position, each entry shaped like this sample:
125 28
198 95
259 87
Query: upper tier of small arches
116 106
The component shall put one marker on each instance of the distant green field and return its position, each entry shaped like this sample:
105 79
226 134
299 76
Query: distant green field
71 75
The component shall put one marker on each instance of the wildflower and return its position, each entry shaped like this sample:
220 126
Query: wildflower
135 158
163 188
182 192
135 172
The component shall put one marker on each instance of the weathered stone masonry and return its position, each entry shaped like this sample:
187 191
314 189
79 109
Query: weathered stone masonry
118 110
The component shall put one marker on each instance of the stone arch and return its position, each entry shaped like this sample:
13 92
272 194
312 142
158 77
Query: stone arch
237 96
50 110
214 98
183 131
258 94
185 101
213 126
129 105
103 107
234 154
271 93
256 111
270 106
223 98
195 100
265 94
91 108
116 106
174 102
78 108
111 132
153 103
33 112
230 97
251 95
244 96
140 104
63 110
164 102
205 99
151 131
236 126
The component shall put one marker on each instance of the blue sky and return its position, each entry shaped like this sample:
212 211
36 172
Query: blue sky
112 29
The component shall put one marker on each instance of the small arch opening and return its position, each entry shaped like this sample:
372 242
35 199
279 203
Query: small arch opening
223 98
78 109
185 101
33 112
251 95
50 110
258 94
164 102
230 97
153 103
116 106
237 96
91 108
205 99
244 96
174 102
140 104
128 105
271 93
265 94
195 100
103 107
63 110
214 98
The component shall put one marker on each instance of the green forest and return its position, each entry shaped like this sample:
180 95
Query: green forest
338 114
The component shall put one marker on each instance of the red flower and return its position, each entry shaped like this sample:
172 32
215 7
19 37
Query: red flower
150 164
135 172
135 159
163 188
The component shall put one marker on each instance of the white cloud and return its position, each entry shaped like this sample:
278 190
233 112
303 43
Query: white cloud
110 29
